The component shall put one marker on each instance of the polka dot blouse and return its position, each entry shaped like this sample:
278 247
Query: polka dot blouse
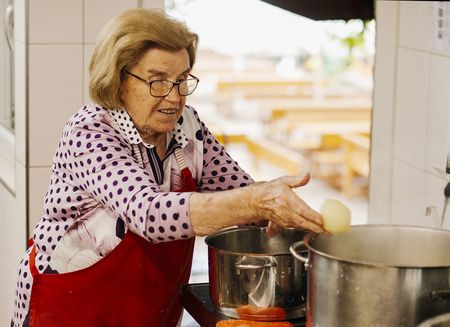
102 160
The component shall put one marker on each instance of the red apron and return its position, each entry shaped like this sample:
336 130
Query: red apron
136 284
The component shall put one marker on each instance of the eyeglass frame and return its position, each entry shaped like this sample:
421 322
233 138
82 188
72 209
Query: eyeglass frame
149 83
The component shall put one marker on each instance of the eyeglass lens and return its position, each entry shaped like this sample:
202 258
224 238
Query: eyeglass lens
163 88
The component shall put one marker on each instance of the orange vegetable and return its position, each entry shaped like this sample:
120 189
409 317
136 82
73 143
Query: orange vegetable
252 312
250 323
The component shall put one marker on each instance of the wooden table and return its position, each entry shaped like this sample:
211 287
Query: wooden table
331 127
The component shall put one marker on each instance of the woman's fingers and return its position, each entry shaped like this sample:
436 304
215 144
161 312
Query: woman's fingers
307 218
310 214
281 205
291 210
273 228
296 181
313 227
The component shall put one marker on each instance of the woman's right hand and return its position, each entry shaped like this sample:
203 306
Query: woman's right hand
277 202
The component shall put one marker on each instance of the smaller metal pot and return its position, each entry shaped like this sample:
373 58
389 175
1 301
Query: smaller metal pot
247 267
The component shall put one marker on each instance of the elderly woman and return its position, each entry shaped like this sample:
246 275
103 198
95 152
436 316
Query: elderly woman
136 176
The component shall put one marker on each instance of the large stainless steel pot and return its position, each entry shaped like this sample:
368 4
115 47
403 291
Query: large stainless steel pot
246 267
376 275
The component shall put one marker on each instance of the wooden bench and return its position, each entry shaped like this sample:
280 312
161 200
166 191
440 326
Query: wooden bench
275 153
267 88
318 133
346 167
279 90
328 124
336 111
264 149
309 136
324 123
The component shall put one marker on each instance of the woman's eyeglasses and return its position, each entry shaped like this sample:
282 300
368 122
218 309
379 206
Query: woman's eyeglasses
161 88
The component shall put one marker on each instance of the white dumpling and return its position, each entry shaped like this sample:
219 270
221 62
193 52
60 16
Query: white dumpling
336 216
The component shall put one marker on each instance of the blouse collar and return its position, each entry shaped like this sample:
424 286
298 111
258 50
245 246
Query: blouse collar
131 134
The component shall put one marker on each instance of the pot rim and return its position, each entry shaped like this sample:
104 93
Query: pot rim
243 228
309 237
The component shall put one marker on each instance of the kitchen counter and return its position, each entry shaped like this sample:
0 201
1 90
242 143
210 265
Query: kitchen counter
196 300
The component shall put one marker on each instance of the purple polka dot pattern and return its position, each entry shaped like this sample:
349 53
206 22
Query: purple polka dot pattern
94 164
131 134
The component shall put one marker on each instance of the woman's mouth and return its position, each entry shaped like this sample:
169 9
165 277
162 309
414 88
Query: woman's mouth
168 111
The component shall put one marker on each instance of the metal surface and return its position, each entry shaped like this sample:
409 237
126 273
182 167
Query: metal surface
378 275
248 267
438 321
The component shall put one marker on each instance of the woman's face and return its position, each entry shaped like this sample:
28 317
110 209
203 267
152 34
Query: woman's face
155 116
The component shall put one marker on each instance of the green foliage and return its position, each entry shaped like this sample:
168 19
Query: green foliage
354 40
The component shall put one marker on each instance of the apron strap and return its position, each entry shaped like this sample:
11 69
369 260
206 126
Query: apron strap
180 159
187 180
33 269
138 155
30 242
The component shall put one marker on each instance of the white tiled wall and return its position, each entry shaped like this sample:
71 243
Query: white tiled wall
382 117
53 42
20 49
433 199
56 22
152 3
438 124
408 195
55 93
87 52
417 105
413 69
414 24
95 16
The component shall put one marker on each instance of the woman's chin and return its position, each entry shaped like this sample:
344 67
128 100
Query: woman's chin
150 133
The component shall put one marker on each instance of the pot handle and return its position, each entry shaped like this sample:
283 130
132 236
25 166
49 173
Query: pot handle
264 266
296 253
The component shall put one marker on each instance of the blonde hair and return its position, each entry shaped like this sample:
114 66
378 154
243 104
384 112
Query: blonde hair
124 40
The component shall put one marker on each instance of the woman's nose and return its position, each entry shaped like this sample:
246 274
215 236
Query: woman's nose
174 95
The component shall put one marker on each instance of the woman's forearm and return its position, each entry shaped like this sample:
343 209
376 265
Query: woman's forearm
274 201
213 211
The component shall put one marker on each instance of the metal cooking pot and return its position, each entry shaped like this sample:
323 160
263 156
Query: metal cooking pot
376 275
246 267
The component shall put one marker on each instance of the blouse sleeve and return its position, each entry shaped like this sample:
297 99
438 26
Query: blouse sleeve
220 170
103 167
